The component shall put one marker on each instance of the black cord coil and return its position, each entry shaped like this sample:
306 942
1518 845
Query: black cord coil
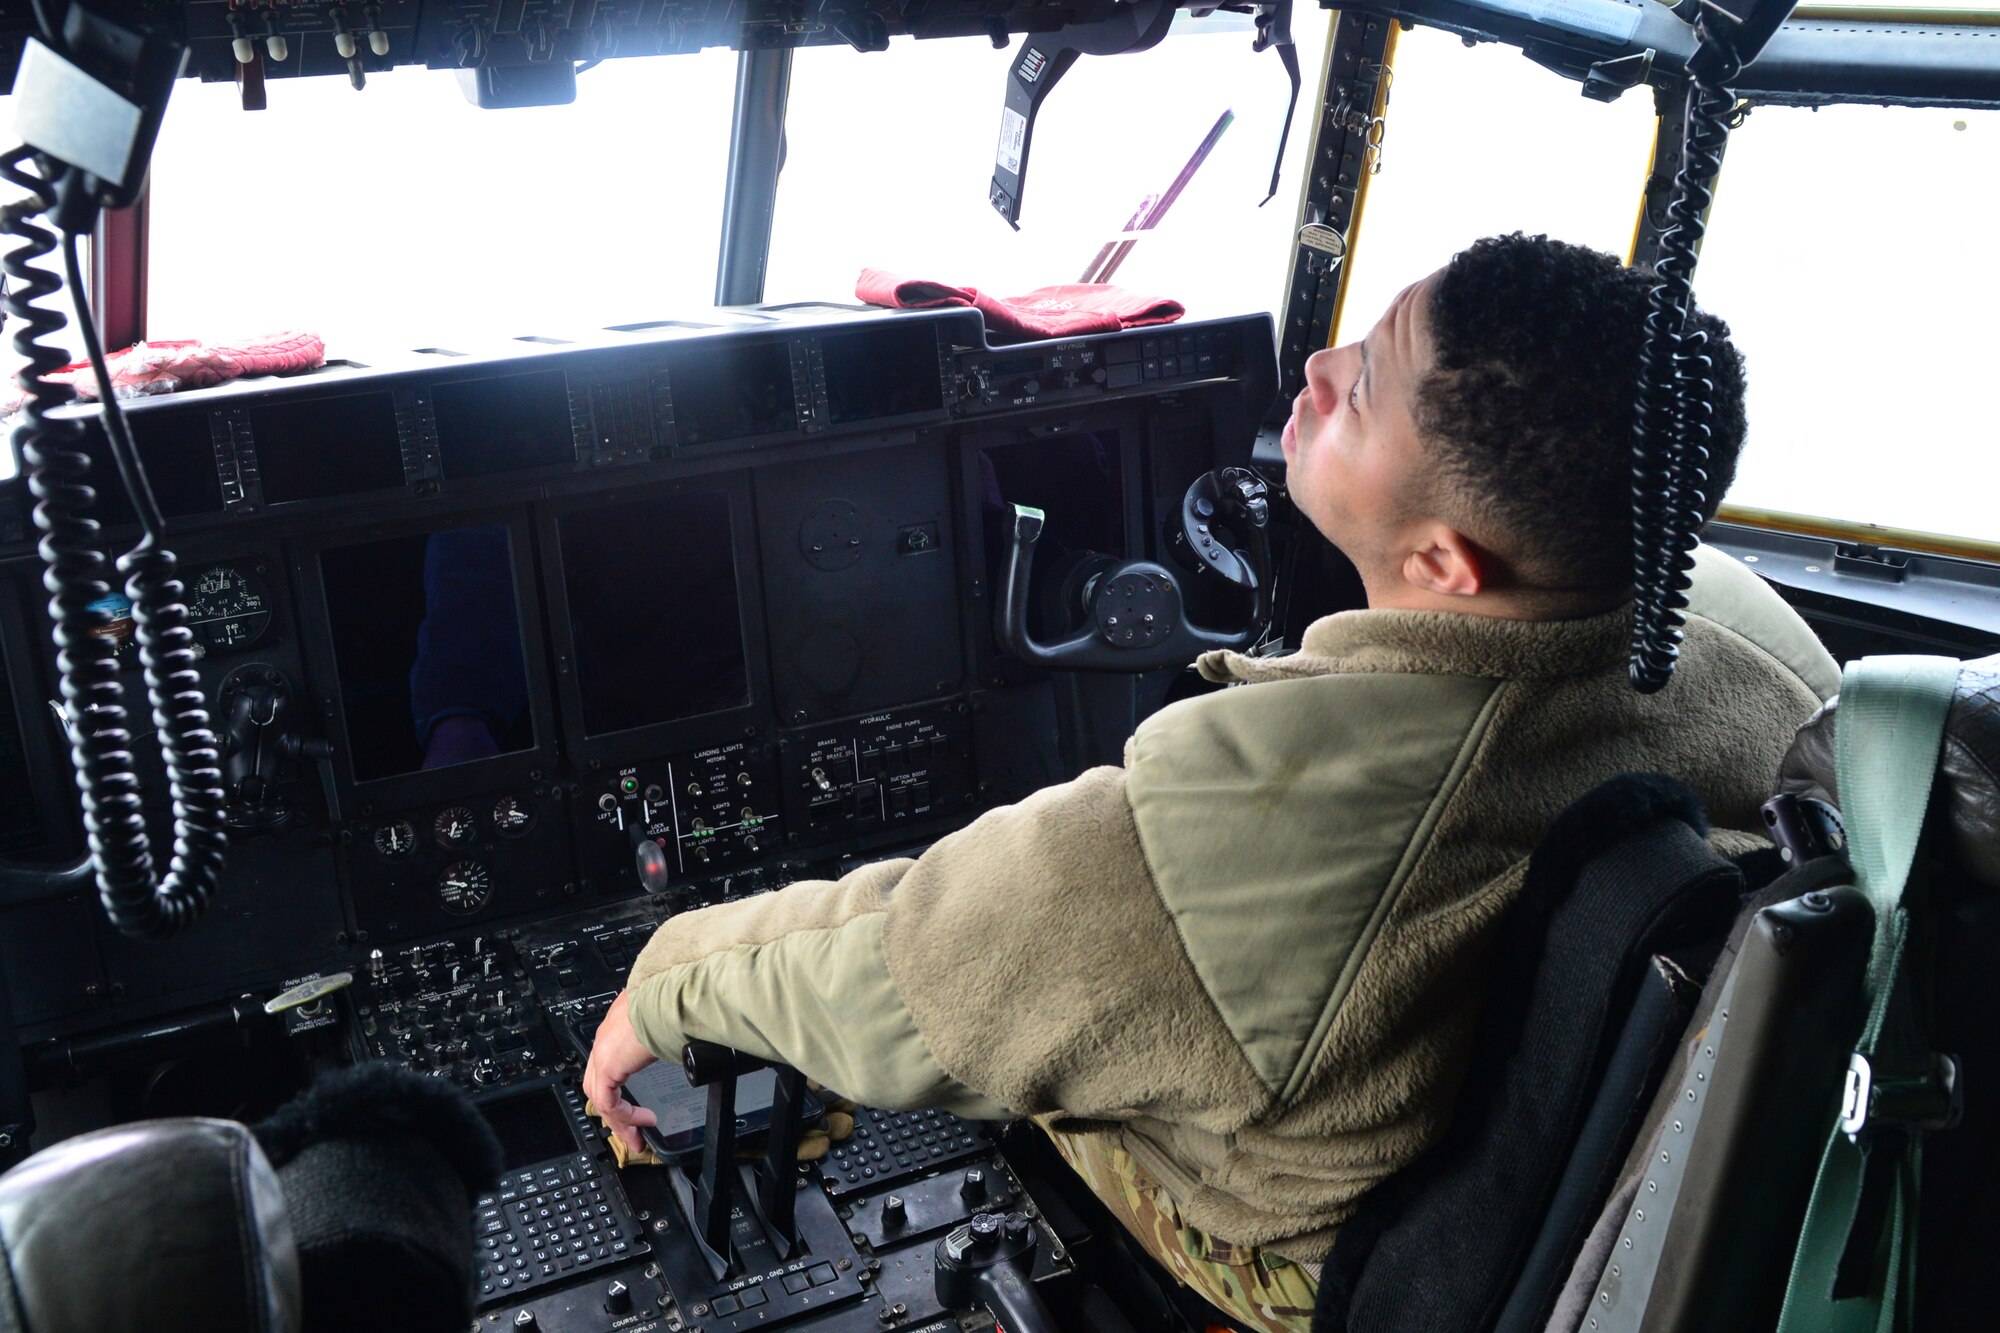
1670 453
101 741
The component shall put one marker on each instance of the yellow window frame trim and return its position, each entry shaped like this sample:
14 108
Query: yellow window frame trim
1777 520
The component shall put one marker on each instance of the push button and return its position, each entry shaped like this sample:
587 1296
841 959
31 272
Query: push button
796 1282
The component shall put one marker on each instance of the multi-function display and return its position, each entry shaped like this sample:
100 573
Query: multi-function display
312 448
885 372
179 458
653 610
732 391
427 645
509 423
531 1127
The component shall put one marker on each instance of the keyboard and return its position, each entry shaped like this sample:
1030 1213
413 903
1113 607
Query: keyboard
546 1223
893 1146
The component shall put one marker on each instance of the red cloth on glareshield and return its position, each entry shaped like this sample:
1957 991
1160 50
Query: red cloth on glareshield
1067 310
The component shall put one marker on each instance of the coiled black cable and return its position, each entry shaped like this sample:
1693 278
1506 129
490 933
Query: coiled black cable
101 741
1670 451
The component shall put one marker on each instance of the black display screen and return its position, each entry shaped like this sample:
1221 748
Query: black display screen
1078 482
887 371
179 458
505 424
731 391
653 610
20 829
531 1127
311 448
427 645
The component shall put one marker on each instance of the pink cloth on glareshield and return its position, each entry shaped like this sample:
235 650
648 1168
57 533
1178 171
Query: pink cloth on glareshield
1067 310
151 368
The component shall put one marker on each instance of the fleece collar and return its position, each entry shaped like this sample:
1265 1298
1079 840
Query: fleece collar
1438 643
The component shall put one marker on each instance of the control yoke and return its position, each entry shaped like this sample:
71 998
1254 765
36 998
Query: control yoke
987 1262
1136 618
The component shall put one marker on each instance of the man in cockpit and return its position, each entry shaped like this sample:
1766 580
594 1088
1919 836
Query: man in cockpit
1237 977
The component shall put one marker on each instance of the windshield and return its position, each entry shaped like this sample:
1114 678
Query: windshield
891 155
402 216
1869 339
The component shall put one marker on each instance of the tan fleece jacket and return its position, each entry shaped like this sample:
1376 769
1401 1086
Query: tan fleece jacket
1255 952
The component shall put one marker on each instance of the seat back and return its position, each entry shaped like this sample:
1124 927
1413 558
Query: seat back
1702 1236
1725 1164
1579 997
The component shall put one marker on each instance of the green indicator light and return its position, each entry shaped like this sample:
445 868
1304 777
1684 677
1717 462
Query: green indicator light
628 785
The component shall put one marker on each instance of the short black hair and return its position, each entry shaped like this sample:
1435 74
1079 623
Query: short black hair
1531 400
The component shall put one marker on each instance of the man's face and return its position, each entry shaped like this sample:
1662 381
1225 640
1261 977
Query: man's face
1354 460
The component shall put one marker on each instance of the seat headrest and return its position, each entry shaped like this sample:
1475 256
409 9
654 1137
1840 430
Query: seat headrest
164 1226
1966 800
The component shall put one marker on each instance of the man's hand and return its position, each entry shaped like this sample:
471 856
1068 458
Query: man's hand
615 1056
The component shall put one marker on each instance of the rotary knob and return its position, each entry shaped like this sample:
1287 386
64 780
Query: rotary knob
618 1298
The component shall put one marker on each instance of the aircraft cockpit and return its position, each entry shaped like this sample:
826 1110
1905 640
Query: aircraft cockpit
604 526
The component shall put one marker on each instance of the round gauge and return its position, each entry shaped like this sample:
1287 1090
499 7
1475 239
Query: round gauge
464 888
228 608
455 827
397 839
512 817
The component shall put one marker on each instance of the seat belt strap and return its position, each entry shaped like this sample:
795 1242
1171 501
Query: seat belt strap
1892 715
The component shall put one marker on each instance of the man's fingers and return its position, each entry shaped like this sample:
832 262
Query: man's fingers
615 1056
618 1119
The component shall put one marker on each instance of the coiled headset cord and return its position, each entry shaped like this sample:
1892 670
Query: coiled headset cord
138 900
1670 452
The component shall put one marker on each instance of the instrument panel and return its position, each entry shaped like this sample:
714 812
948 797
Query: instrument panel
679 615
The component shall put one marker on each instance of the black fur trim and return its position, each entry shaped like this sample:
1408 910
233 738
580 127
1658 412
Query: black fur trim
1599 820
385 1100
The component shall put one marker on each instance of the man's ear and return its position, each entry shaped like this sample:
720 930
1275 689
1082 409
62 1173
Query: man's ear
1448 563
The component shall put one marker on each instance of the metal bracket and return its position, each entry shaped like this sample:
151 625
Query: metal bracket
1932 1099
1609 79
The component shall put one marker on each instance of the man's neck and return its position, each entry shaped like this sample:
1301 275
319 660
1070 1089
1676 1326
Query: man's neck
1400 594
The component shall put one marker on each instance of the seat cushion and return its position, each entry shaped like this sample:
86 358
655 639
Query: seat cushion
164 1226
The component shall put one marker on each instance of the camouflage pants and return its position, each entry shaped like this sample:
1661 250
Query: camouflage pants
1264 1292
